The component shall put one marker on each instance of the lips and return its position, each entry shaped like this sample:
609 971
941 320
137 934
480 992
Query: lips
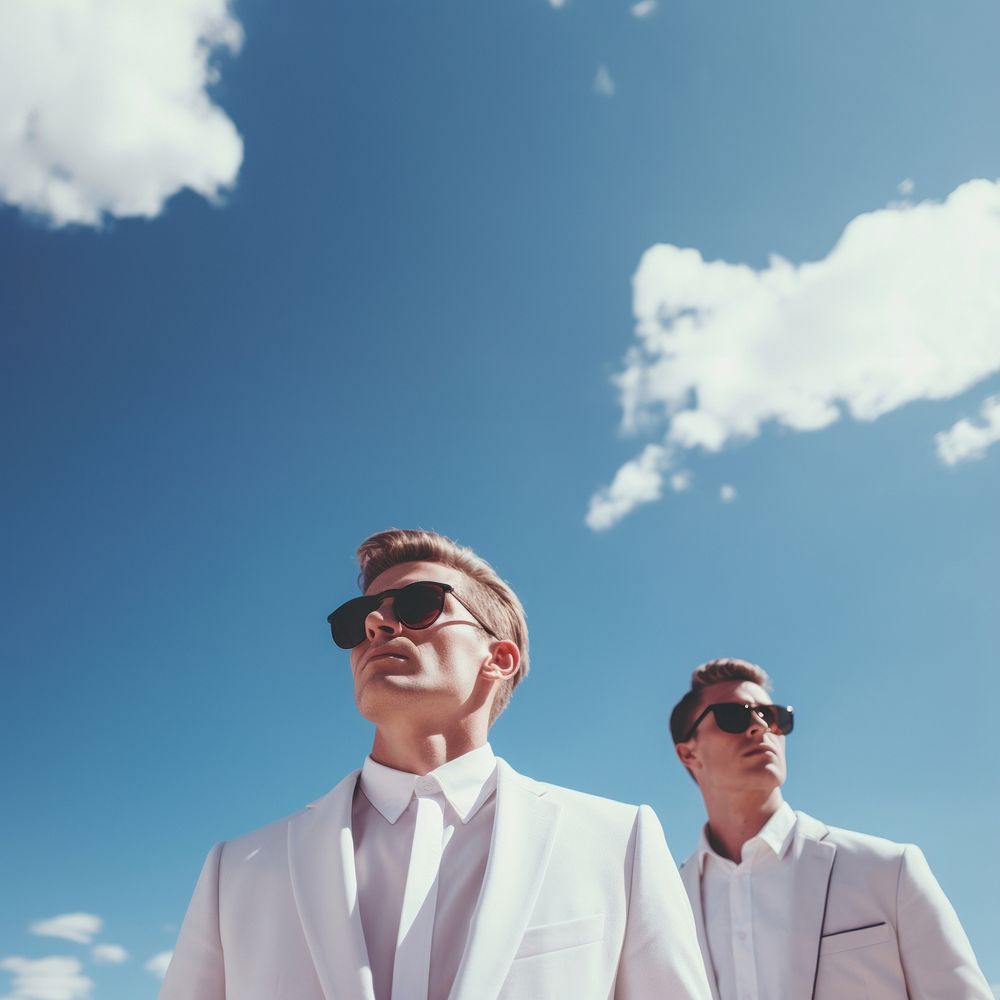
761 748
387 653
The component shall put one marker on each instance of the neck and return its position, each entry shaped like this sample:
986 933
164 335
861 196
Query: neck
418 751
733 819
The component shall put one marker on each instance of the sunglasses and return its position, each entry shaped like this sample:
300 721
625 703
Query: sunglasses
735 717
417 606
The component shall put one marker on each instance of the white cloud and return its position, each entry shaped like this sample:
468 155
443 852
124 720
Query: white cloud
109 954
79 927
643 8
557 3
905 187
727 493
680 481
54 978
603 84
966 441
105 107
158 964
906 306
636 482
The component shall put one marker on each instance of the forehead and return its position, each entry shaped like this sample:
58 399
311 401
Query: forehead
410 572
742 691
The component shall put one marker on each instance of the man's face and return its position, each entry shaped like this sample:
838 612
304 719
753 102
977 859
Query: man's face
734 762
432 672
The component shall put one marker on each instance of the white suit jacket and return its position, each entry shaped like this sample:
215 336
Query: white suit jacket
868 922
581 901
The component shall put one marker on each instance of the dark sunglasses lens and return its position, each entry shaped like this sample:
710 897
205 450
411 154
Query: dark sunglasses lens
347 623
784 720
776 717
731 718
419 604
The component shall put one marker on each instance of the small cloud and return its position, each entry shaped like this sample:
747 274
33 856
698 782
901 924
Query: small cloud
603 84
966 441
78 927
557 3
158 964
643 8
680 481
905 187
55 978
109 954
727 494
636 482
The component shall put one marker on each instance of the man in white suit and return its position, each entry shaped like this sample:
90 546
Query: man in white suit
786 907
437 872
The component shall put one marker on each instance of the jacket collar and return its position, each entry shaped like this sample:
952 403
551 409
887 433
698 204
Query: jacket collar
814 855
325 888
524 832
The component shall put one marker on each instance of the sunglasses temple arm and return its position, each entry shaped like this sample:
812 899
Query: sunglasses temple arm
474 615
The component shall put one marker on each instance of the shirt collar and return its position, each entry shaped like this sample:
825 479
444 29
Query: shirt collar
466 782
776 834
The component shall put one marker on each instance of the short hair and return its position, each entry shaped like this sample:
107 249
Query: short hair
713 672
493 599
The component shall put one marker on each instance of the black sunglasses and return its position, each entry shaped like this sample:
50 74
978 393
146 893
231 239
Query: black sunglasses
735 717
417 605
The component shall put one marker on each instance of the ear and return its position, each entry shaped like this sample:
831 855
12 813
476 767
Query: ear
503 661
687 754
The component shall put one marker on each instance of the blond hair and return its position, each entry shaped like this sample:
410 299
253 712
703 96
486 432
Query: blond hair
492 598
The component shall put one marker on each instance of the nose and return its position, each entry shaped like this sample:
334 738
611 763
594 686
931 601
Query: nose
757 723
382 620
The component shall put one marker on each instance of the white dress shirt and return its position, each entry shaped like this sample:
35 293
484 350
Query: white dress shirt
384 818
747 907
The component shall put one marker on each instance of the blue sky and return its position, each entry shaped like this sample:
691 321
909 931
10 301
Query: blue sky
394 264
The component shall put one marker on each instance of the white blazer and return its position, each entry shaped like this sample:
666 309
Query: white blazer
868 921
581 901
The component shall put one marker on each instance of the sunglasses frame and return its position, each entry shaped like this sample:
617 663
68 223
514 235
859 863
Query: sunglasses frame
751 710
374 601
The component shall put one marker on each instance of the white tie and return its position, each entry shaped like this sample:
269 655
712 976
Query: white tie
411 968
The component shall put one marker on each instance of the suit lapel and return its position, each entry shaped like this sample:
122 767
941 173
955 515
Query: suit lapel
813 858
325 887
692 883
524 831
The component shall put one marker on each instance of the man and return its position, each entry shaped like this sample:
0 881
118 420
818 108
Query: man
437 872
786 907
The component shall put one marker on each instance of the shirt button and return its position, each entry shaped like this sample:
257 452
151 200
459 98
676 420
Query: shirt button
425 785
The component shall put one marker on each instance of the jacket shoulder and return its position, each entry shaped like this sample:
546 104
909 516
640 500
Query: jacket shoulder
852 844
275 832
582 805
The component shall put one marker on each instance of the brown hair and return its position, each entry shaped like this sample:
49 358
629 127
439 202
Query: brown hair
713 672
493 599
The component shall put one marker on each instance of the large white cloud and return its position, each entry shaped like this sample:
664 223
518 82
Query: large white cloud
79 927
54 978
104 108
906 306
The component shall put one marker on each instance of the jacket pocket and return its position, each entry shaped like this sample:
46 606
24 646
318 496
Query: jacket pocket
858 937
557 937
